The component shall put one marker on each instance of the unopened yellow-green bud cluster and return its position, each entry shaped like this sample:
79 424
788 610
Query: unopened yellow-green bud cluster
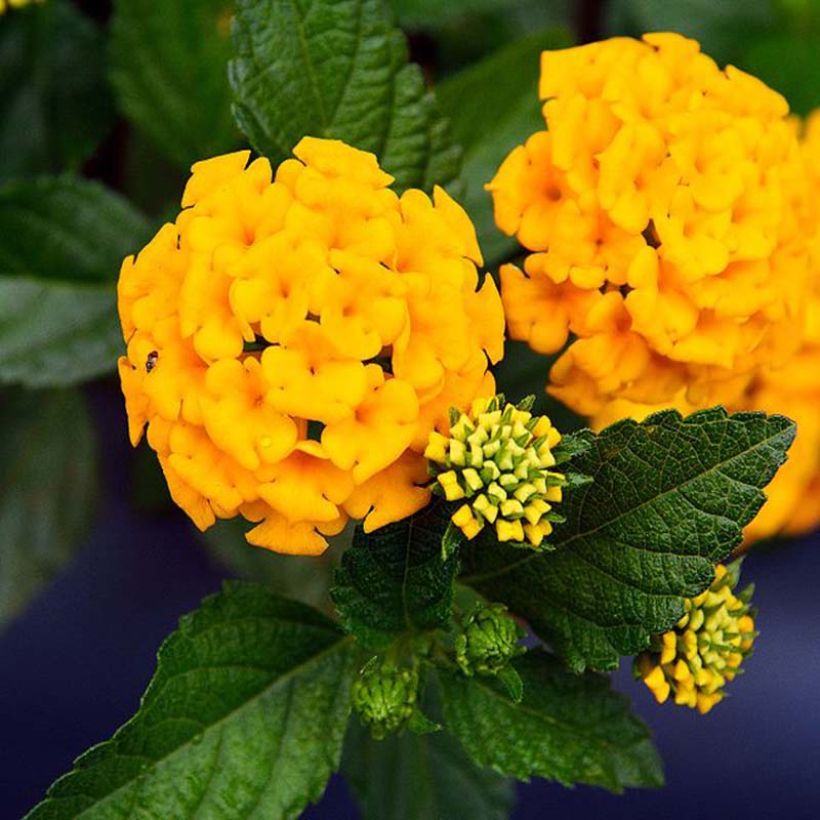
694 661
497 458
384 697
488 641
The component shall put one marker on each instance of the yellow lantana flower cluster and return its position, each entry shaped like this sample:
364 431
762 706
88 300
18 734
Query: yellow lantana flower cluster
661 208
794 494
292 340
15 4
793 387
694 661
498 457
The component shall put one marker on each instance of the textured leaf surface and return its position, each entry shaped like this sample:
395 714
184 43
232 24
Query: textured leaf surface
244 718
505 84
393 580
62 242
669 498
169 68
48 486
337 68
416 777
570 728
55 105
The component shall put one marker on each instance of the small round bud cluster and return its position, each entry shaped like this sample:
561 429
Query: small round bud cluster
384 697
498 458
488 641
694 661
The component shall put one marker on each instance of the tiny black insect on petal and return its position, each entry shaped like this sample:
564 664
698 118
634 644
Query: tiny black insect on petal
151 361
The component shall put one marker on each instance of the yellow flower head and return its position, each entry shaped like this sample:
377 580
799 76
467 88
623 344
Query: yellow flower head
694 661
293 340
15 4
498 458
793 505
793 387
661 206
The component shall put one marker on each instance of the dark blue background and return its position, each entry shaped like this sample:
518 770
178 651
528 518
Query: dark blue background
73 666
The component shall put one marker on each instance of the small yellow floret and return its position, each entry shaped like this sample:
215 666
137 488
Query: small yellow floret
696 659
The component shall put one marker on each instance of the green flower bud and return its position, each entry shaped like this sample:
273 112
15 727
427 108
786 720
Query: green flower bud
384 697
498 459
488 641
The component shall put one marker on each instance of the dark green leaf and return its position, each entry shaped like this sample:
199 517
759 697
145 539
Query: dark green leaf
394 580
669 499
169 63
55 105
62 241
570 728
416 777
244 717
493 106
337 68
48 486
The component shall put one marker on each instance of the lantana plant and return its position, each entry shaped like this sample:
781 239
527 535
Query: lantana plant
309 345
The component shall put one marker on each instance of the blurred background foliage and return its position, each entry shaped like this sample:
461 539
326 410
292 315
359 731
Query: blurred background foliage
104 106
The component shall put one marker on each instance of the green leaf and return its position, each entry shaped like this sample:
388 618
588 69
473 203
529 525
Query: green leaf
337 68
169 63
415 777
493 106
394 579
55 105
569 728
669 499
48 489
62 241
245 716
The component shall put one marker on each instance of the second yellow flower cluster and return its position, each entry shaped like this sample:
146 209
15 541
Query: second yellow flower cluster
670 208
